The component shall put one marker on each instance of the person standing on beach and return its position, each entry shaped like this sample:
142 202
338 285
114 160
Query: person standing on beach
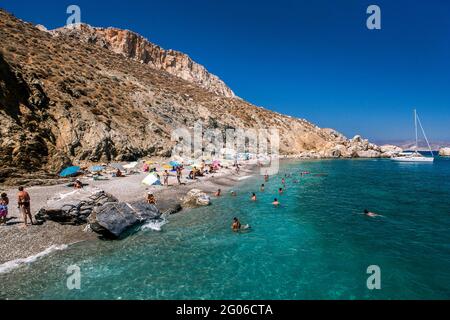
179 173
166 178
4 201
24 204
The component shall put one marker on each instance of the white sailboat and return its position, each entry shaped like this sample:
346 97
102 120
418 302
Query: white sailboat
416 156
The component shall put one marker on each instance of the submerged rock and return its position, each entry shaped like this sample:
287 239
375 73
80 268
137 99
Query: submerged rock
196 198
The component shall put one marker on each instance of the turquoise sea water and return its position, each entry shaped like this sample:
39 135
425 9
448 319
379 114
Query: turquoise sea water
316 245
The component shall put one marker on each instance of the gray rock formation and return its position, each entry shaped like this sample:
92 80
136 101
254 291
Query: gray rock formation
115 220
74 208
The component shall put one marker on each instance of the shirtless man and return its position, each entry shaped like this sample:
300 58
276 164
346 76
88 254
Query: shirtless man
262 188
275 202
23 202
236 225
218 193
253 197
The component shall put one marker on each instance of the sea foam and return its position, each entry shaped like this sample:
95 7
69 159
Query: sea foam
154 225
13 264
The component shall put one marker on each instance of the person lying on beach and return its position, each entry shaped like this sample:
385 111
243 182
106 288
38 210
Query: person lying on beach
218 193
280 191
24 205
151 199
4 201
371 214
236 225
253 196
275 202
262 188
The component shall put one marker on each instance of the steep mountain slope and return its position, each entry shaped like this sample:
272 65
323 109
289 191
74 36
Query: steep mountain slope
64 100
136 47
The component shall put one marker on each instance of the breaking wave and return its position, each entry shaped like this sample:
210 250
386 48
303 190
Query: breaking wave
13 264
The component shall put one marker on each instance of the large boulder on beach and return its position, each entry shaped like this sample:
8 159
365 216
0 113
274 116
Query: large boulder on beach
73 208
114 220
196 198
444 152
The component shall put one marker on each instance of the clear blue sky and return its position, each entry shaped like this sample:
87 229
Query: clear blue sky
311 59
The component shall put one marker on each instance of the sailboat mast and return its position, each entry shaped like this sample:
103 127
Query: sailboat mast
415 126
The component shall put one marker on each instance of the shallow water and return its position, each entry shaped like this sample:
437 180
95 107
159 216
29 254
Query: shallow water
316 245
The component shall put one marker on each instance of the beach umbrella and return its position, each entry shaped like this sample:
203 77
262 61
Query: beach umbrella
96 168
130 165
167 167
174 163
118 166
151 180
70 171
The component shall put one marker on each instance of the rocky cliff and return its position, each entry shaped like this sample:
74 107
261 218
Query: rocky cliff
134 46
63 100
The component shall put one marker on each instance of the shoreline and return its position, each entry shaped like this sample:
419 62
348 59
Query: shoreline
19 243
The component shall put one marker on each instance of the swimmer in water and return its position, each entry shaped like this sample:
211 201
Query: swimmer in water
253 196
233 193
275 202
280 191
370 214
262 188
218 193
236 225
283 181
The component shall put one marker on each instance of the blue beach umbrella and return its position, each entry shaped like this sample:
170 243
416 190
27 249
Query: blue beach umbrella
96 168
174 163
70 171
